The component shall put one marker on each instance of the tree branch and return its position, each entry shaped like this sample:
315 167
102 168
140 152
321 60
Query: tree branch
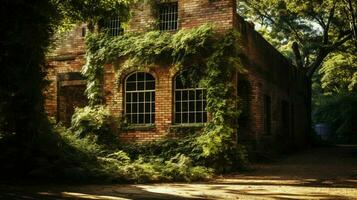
297 54
326 29
323 52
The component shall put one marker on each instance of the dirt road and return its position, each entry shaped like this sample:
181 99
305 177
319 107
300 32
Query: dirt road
324 173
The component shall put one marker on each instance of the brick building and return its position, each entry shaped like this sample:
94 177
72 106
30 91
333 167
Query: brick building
273 92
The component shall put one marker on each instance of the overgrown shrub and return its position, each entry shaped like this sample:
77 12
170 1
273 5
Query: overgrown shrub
94 121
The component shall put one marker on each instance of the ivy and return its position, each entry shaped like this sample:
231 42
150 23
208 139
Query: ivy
210 55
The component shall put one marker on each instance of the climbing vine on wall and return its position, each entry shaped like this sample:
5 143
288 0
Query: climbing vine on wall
214 56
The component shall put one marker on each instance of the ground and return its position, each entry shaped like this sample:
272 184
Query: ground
322 173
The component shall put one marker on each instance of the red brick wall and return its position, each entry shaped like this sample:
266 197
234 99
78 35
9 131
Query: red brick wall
269 73
60 65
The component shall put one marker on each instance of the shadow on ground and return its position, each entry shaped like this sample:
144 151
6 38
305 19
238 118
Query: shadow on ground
325 173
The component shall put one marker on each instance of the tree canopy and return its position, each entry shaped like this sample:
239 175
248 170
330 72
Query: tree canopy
27 29
314 29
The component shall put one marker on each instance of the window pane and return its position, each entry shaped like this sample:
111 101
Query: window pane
178 96
184 106
153 107
141 85
178 117
135 108
141 107
150 85
198 117
192 106
185 95
191 95
199 106
191 118
135 97
128 97
131 78
141 76
198 94
141 97
131 86
147 107
178 107
147 119
141 118
147 96
149 77
184 118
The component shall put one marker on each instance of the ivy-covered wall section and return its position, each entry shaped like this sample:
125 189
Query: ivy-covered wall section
210 55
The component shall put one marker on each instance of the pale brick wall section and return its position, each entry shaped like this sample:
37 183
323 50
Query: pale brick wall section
141 19
193 13
71 44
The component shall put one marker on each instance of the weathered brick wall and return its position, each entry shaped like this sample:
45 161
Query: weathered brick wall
192 13
269 73
55 67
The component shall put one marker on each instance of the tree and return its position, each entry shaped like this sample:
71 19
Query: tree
314 28
339 73
27 28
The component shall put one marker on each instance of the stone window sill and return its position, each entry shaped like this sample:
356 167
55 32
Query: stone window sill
149 127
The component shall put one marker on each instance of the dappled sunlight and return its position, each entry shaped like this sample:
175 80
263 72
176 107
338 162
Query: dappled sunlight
306 180
266 189
90 196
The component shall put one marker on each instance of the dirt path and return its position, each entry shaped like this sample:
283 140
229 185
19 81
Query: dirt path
326 173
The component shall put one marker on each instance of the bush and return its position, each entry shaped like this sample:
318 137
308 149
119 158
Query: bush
94 122
231 160
83 159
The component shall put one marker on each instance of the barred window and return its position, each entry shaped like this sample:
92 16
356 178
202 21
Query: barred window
190 101
168 16
114 27
140 98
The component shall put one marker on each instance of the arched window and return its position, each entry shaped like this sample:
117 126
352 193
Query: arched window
140 98
190 101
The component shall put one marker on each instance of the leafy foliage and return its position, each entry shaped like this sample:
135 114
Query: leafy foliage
339 73
313 28
340 111
90 121
26 30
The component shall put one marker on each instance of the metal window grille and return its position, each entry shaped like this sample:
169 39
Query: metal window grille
190 103
140 98
114 27
168 16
